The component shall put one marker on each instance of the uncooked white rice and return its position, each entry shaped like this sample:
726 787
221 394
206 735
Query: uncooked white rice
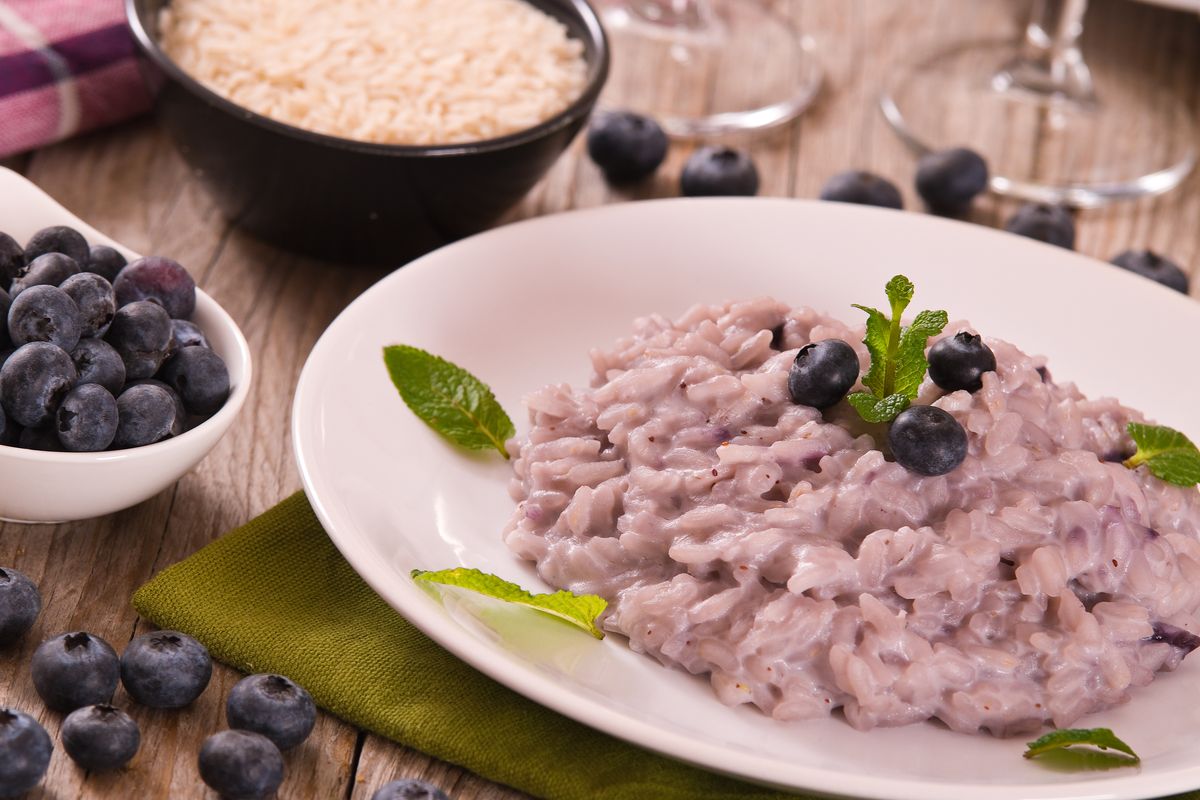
389 71
739 535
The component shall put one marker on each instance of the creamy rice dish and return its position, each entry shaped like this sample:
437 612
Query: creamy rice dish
416 72
774 547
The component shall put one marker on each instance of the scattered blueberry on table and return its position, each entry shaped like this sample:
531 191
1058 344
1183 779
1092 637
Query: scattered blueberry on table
949 180
274 706
959 361
100 737
72 670
409 789
78 322
1045 222
927 440
1151 265
25 750
718 171
241 765
627 147
20 603
863 188
165 669
823 373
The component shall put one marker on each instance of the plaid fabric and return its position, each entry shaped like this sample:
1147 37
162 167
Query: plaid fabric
66 66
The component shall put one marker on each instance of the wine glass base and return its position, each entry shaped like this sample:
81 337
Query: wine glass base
1133 139
729 66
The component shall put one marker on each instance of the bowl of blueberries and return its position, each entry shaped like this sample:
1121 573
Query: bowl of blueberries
117 375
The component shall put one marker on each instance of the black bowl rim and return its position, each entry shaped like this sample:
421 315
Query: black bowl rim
581 106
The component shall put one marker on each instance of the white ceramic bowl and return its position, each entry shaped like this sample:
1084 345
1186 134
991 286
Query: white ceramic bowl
37 486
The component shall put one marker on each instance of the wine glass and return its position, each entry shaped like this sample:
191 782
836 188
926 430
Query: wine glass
1051 130
718 66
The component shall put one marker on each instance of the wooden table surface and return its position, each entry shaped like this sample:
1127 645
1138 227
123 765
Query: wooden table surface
129 182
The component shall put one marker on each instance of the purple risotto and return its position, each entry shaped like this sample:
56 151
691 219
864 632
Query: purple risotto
781 550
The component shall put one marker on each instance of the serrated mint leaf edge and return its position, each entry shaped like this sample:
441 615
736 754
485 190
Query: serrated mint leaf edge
911 363
489 409
1103 738
1169 454
580 610
872 409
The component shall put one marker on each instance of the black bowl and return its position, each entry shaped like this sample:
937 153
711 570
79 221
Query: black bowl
351 201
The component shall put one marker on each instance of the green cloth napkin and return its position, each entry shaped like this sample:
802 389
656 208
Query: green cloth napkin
276 596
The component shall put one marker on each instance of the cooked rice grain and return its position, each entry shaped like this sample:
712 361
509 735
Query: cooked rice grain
417 72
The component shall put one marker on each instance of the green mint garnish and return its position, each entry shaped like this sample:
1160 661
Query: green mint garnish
1102 738
449 399
898 361
579 610
1168 454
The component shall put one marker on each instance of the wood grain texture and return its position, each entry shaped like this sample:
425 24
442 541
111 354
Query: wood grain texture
130 183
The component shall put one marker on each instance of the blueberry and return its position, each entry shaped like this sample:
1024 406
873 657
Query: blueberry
97 362
927 440
25 750
105 262
5 305
165 669
409 789
1151 265
33 381
626 146
241 765
1179 638
181 414
19 605
145 415
273 706
715 171
43 438
141 333
864 188
200 377
948 180
159 280
822 373
87 419
44 314
959 361
100 738
1044 222
73 670
185 334
57 239
95 299
6 429
48 270
12 260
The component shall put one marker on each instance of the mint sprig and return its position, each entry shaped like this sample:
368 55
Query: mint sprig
1102 738
1167 453
898 363
580 610
448 399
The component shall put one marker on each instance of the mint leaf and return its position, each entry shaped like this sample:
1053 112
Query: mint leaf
579 610
1102 738
876 340
449 399
1168 454
898 363
911 363
872 409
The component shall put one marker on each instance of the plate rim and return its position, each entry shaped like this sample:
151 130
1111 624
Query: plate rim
423 612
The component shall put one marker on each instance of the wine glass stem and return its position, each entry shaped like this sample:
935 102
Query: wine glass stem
671 13
1051 54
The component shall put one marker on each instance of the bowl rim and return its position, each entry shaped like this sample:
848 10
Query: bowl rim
580 107
218 423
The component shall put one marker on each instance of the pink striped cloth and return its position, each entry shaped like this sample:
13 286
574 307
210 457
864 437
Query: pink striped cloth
66 66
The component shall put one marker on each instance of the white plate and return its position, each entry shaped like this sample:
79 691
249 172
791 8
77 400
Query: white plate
520 307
